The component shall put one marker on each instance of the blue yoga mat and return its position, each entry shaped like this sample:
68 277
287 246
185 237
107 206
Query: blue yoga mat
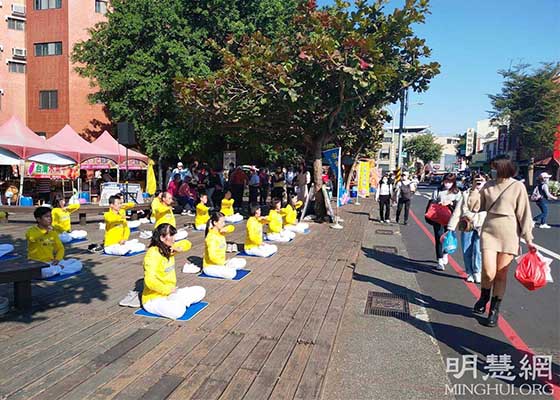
59 277
241 273
134 229
243 254
188 315
274 241
126 255
9 256
77 241
234 223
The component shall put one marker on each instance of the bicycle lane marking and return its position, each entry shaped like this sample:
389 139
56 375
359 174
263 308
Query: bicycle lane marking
504 326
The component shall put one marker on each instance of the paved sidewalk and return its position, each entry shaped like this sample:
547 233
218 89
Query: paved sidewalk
383 357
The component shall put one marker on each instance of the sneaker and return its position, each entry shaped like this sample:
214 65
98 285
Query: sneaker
95 248
470 278
130 300
234 248
477 277
184 213
190 213
441 265
445 259
228 248
190 268
405 223
533 223
544 226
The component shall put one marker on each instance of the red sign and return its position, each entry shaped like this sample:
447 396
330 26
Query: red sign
556 152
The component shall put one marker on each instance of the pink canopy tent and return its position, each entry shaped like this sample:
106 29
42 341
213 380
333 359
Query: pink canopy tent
68 139
108 143
21 140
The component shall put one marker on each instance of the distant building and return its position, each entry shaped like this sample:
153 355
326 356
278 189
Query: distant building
448 161
486 131
387 157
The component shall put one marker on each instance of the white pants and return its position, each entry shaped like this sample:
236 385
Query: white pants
264 250
227 271
283 237
200 227
6 248
231 219
67 237
133 224
64 267
174 305
132 246
181 234
297 228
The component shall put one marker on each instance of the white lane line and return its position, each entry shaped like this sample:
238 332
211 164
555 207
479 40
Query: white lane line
545 250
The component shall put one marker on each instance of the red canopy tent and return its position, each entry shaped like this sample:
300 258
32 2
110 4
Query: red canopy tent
108 143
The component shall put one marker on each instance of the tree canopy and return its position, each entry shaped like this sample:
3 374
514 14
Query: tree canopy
530 102
423 147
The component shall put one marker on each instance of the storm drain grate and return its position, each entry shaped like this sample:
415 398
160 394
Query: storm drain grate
386 249
387 305
384 231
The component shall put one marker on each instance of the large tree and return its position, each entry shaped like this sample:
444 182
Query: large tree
530 102
330 78
423 147
143 46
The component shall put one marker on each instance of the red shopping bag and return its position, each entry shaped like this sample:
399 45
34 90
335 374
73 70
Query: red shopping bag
438 214
531 271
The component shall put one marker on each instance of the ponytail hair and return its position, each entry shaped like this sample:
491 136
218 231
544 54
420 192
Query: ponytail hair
162 230
57 200
214 217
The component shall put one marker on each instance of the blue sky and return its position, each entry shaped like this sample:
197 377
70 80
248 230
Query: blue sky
472 40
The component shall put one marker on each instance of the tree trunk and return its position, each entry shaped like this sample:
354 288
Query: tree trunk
320 210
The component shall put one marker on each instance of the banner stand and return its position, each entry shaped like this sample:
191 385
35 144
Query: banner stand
357 203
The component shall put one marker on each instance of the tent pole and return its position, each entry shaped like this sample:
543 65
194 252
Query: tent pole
21 172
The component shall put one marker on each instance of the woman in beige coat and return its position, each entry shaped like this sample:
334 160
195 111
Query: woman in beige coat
508 218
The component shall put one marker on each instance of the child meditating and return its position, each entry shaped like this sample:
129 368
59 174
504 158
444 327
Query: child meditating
214 263
254 245
202 215
276 232
44 245
117 231
290 216
161 296
61 220
227 209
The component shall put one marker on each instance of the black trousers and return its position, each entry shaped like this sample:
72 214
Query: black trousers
263 194
384 207
400 204
237 194
278 192
438 231
253 194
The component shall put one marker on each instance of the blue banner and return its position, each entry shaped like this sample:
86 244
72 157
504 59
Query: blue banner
333 158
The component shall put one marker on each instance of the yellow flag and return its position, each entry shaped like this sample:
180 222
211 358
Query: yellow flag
150 179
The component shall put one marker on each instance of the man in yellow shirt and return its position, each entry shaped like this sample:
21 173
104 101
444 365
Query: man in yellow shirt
254 245
117 231
61 221
44 245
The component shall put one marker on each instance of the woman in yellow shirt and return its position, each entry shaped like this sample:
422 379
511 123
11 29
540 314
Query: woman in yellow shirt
290 216
214 263
227 209
202 215
276 232
61 221
161 296
254 245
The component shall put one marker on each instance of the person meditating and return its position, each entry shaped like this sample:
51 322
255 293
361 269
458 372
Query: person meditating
202 215
214 263
227 209
276 232
290 216
254 245
44 245
117 231
163 213
161 296
61 220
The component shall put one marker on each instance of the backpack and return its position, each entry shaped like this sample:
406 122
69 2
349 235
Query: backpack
536 196
406 192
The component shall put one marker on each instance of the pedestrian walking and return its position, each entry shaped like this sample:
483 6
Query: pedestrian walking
404 191
446 195
508 218
541 194
470 224
264 181
254 186
302 181
278 184
383 196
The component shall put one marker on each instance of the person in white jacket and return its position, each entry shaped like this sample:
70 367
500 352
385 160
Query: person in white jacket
470 240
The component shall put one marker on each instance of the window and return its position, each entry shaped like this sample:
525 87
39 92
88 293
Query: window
48 49
101 6
16 24
16 67
46 4
48 99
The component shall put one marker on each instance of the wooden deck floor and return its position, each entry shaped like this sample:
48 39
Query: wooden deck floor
269 335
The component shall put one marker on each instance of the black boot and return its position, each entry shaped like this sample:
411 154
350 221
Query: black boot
492 320
480 305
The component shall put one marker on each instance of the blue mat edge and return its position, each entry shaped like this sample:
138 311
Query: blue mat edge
243 254
8 257
204 276
59 277
143 313
125 255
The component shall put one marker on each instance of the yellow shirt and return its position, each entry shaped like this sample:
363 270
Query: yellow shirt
275 221
215 247
61 217
155 204
202 215
159 275
254 232
43 245
124 207
163 214
227 207
290 213
116 228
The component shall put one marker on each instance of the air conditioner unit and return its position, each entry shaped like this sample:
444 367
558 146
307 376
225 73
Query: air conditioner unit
18 9
19 52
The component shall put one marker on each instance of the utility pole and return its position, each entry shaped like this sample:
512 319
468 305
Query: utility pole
401 128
